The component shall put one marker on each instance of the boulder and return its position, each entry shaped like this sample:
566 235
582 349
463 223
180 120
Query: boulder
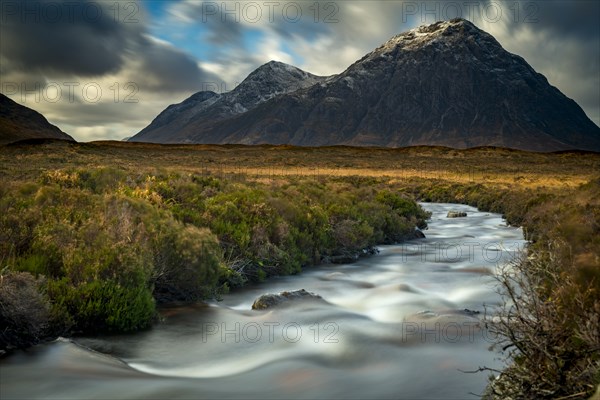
271 300
456 214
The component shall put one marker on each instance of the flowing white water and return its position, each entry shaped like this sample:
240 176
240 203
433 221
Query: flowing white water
401 324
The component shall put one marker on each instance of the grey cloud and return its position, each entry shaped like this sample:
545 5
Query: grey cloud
87 121
577 19
166 69
90 39
37 52
91 114
80 38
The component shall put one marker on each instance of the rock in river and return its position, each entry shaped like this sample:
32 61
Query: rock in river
270 300
456 214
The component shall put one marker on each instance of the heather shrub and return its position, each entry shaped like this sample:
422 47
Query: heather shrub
103 305
24 310
109 243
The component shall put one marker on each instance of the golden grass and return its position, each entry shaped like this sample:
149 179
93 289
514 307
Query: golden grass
503 168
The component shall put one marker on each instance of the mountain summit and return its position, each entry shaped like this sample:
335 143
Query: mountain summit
179 122
448 84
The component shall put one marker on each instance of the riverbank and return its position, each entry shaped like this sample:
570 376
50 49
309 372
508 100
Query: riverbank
378 325
555 197
548 331
95 249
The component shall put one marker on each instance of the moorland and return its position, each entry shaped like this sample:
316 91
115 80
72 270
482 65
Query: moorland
94 236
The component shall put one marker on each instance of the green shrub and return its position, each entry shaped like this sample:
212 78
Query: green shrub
103 305
187 261
109 240
351 236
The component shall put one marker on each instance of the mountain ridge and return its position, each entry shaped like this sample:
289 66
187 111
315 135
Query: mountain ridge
448 84
266 82
18 123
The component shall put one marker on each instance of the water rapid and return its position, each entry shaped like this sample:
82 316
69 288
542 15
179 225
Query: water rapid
404 323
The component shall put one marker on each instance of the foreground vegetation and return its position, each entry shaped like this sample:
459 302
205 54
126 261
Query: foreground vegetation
93 236
103 245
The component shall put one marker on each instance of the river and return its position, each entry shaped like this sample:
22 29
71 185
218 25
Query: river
401 324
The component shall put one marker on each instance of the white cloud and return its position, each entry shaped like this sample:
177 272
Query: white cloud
269 49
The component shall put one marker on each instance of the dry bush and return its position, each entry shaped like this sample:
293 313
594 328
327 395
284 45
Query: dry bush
24 311
548 331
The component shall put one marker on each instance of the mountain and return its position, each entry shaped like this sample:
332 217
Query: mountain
448 84
178 122
18 122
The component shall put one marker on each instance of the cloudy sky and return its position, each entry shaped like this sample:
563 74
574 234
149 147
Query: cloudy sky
105 69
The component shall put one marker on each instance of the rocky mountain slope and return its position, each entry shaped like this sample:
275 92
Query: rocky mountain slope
206 108
448 84
18 122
